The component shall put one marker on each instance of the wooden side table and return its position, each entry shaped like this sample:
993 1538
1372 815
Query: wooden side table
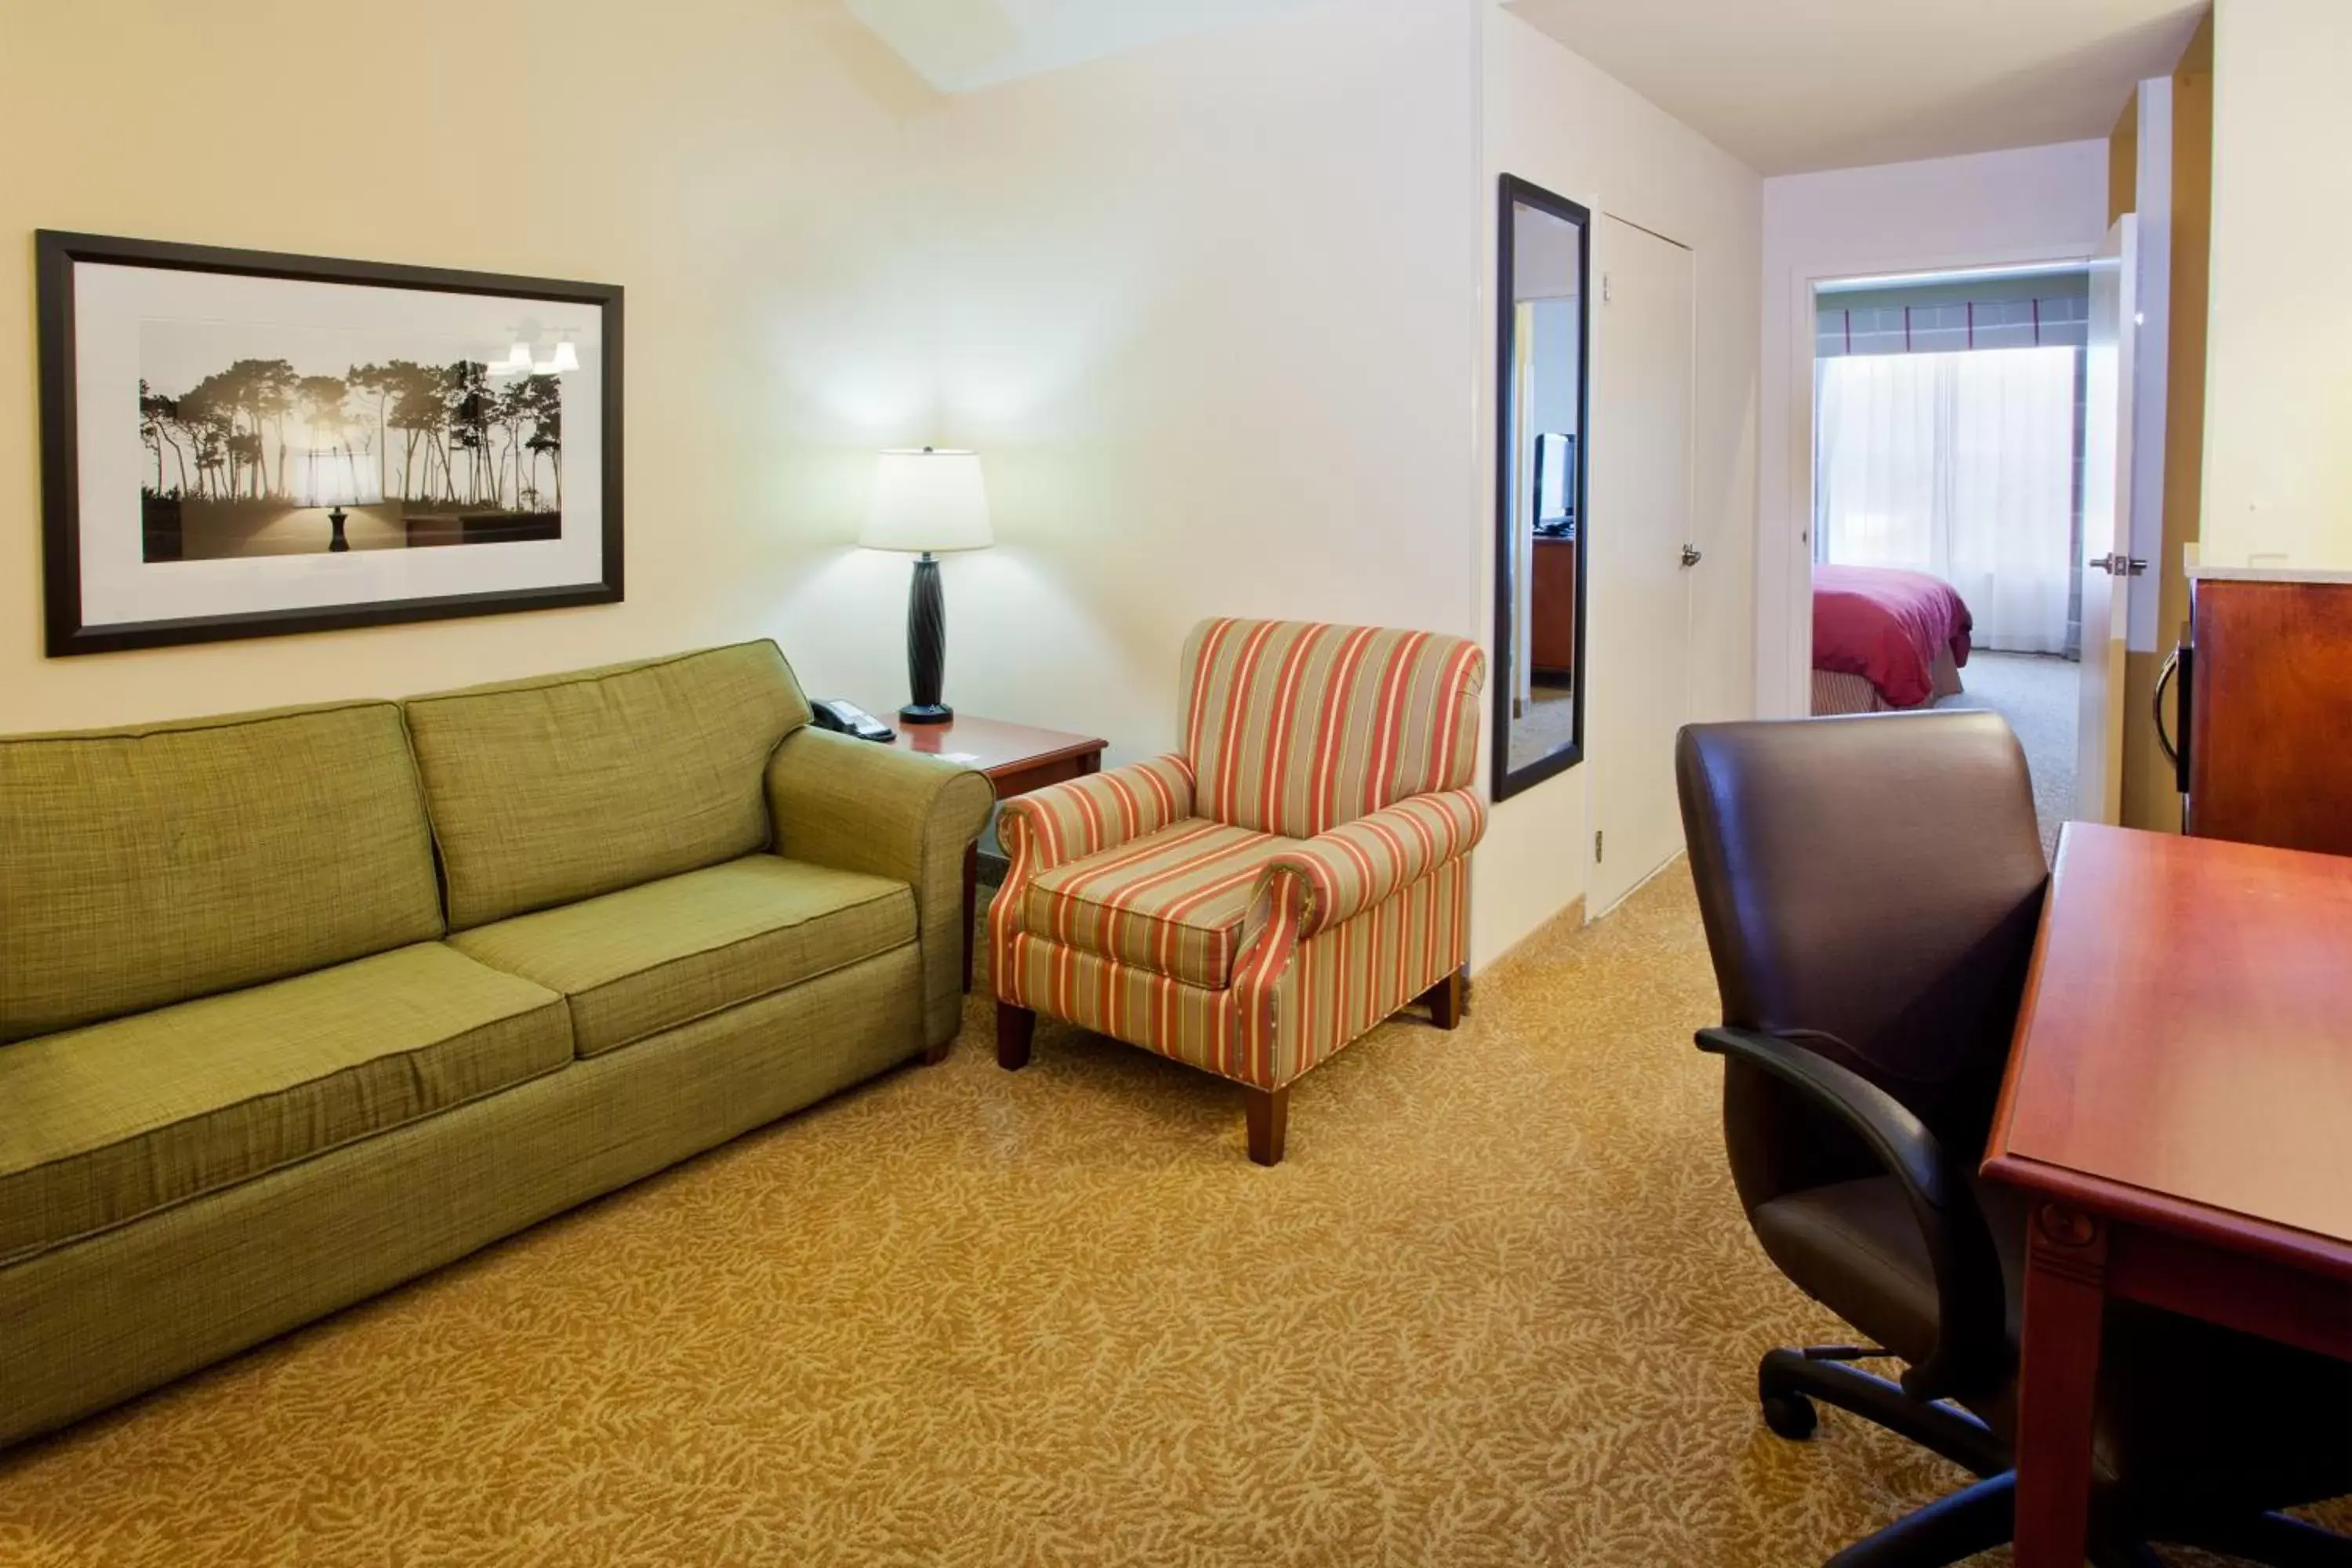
1017 758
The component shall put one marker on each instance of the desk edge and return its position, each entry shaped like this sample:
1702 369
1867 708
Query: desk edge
2285 1244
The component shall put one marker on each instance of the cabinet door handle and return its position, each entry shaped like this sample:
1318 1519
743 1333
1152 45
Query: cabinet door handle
1692 555
2180 672
2164 679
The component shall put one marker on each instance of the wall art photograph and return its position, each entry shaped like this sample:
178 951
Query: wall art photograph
238 444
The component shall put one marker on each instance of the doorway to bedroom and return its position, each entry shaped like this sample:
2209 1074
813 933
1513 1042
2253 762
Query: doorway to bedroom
1948 445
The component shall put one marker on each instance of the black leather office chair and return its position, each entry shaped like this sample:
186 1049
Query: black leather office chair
1871 888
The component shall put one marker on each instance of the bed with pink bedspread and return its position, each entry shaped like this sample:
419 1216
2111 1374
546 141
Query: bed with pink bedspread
1884 638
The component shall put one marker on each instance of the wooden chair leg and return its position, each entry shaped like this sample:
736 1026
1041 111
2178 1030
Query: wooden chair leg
1269 1120
1448 999
938 1053
1015 1025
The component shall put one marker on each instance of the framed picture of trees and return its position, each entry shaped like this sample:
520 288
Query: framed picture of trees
238 444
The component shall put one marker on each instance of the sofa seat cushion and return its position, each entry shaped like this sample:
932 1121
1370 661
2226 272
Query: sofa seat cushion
1171 903
649 958
102 1125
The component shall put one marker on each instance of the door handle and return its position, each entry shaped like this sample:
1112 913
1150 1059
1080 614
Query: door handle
1692 555
2117 564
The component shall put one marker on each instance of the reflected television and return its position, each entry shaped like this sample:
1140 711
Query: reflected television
1555 485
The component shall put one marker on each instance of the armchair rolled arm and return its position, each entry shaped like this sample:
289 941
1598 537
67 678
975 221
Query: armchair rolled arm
1082 816
1972 1352
1337 875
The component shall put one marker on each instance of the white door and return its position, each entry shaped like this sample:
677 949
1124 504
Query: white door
1639 521
2108 371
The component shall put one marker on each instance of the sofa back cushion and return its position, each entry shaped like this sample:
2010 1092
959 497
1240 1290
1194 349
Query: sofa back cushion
542 792
1296 727
147 866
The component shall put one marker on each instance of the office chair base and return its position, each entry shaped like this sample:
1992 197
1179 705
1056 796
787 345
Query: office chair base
1972 1519
1789 1415
2275 1541
1789 1379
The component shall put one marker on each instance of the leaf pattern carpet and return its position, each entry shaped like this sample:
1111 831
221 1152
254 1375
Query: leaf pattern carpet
1499 1307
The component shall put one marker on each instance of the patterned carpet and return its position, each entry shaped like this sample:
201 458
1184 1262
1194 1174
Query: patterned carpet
1544 724
2038 694
1499 1307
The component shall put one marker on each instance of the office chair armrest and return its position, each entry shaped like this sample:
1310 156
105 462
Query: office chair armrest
1899 1139
1972 1352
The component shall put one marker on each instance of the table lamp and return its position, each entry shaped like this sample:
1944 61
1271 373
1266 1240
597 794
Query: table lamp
927 501
333 477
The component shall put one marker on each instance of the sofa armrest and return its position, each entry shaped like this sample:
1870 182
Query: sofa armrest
1337 875
1082 816
857 806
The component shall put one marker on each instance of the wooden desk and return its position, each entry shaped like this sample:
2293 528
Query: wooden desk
1017 758
2178 1109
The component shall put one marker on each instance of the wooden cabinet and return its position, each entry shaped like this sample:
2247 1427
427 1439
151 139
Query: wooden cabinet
2267 749
1552 615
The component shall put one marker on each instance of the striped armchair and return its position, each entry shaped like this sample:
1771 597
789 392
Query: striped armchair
1296 873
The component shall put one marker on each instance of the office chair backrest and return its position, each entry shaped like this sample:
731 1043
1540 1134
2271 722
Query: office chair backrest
1872 884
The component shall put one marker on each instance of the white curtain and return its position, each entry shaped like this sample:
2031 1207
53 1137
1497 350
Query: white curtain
1961 465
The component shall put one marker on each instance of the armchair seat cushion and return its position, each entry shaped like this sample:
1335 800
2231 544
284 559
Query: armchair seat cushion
1171 902
649 958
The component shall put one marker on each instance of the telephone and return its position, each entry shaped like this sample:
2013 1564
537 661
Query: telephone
849 719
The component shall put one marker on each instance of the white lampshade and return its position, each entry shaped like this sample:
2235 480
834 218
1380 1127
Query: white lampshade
928 499
332 477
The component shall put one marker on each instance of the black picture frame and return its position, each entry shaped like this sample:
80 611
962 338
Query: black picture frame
1512 193
57 253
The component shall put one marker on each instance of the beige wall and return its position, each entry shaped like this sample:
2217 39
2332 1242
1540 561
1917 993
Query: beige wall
1215 312
737 167
2278 443
1201 307
1551 117
1218 313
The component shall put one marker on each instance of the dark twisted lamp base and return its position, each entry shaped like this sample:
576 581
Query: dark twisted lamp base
927 639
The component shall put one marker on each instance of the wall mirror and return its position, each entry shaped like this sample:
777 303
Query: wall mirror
1543 255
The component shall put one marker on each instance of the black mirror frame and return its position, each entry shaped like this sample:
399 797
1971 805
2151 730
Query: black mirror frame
1514 192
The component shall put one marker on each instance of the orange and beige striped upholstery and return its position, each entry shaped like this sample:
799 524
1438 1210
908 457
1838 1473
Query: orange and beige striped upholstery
1294 728
1297 873
1170 901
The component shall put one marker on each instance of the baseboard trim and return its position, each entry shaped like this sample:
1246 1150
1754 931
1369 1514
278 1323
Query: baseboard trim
1570 916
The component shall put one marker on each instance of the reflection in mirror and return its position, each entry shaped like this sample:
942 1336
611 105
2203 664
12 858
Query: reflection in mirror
1543 258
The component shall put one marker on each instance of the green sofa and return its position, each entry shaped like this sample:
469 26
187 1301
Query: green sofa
297 1005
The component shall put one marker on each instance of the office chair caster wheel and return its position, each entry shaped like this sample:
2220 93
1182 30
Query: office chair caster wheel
1790 1416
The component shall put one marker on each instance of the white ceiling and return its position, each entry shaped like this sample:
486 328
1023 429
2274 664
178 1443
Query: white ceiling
1793 85
1784 85
961 45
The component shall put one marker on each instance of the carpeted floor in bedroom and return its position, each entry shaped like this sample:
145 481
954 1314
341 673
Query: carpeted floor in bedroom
1499 1307
2038 694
